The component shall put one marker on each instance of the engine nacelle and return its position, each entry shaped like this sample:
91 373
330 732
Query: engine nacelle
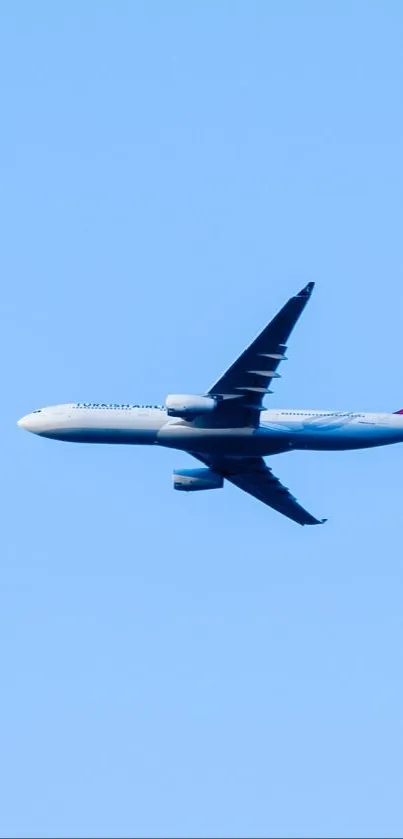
188 406
192 480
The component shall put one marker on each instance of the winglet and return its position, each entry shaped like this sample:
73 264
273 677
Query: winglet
314 521
307 290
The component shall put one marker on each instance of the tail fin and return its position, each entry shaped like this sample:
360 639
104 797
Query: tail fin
398 412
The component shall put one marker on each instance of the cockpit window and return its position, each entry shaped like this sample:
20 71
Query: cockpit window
38 411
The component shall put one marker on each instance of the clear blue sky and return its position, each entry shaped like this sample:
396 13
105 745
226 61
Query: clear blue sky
170 174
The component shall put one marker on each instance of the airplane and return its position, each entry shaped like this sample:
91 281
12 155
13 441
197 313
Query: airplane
227 428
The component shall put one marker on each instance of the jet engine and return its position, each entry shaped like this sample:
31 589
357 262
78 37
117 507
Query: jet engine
188 406
191 480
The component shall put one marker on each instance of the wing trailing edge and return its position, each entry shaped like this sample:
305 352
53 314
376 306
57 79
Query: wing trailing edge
249 378
252 475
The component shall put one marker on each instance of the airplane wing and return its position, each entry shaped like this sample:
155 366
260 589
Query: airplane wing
253 476
244 385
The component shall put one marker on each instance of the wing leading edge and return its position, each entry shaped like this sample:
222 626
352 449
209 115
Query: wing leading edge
244 385
253 476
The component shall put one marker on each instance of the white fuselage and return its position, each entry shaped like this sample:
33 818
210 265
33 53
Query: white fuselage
279 430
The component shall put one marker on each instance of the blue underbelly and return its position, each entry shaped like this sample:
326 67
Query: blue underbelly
123 436
344 438
262 441
335 436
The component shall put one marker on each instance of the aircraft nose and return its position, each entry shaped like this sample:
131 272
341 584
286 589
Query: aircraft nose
27 423
23 422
